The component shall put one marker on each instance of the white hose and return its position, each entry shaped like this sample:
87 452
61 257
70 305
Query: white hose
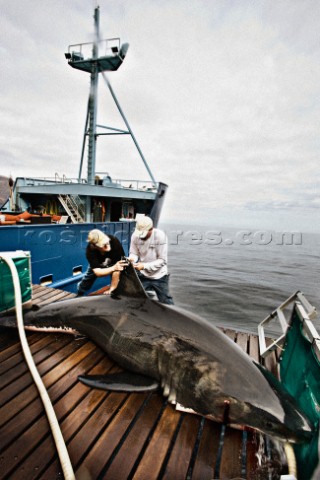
292 464
54 424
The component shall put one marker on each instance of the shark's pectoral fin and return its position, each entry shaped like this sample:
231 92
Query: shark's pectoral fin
120 382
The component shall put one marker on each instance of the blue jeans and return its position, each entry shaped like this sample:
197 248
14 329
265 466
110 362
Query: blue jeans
87 282
159 285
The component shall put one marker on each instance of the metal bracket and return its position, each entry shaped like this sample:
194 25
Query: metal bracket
309 330
306 312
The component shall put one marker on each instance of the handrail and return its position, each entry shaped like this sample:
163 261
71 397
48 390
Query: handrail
122 182
88 45
296 300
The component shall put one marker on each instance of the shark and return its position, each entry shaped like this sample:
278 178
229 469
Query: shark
159 346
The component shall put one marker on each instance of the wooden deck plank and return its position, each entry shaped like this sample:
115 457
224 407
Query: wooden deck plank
65 394
271 361
16 366
205 463
80 414
65 408
36 345
56 298
9 338
51 370
253 444
231 466
254 347
31 467
22 381
48 465
125 459
102 407
230 333
179 462
14 348
98 452
157 448
36 288
242 341
8 341
25 444
93 433
41 295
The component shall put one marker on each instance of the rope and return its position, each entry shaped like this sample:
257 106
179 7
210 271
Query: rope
53 422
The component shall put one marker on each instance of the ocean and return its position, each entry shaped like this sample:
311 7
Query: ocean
236 278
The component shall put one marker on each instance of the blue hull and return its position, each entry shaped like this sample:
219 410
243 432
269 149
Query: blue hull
58 251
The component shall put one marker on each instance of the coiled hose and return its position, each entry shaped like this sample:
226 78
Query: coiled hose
53 422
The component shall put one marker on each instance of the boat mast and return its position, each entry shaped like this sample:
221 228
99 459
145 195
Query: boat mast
92 104
110 61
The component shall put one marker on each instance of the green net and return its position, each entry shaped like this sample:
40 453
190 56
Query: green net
300 374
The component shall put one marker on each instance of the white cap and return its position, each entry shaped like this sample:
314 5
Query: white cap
98 238
143 225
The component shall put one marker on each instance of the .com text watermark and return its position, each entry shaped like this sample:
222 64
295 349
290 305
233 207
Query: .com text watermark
241 237
67 237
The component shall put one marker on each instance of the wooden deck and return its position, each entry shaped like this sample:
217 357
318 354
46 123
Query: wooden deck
112 435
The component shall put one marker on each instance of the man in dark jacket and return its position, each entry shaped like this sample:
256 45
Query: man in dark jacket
104 254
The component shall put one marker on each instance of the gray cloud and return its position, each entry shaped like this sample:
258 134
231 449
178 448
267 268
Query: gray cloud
222 96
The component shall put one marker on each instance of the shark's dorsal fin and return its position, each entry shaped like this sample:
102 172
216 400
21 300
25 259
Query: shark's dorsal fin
129 284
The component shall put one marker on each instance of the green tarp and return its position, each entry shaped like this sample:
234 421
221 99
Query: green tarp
300 374
22 263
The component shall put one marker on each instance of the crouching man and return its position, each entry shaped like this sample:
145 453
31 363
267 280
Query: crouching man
104 254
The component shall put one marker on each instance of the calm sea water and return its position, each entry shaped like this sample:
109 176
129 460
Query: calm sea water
235 278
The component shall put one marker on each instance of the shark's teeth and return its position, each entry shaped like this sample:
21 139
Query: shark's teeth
172 397
166 390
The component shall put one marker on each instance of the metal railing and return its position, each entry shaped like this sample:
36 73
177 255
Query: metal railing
108 46
297 300
134 184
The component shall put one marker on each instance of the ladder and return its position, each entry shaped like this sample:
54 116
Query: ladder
74 207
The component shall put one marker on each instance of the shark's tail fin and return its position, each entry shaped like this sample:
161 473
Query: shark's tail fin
129 284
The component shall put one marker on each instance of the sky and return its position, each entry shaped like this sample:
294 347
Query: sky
223 97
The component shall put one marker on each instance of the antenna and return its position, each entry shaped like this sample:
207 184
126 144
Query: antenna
114 54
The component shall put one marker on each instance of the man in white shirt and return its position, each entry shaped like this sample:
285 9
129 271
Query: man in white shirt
149 254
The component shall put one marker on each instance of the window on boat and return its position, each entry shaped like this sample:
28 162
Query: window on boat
46 280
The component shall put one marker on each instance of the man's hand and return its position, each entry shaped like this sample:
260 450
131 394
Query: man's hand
119 266
138 266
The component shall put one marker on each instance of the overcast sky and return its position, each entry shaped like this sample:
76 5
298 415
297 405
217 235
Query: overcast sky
223 97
